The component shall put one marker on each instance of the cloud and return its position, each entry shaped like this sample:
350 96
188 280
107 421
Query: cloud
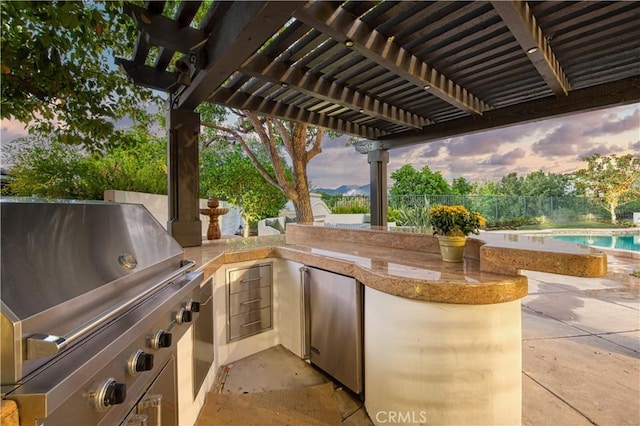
338 142
338 164
489 142
562 141
635 146
11 130
613 127
508 159
600 149
431 149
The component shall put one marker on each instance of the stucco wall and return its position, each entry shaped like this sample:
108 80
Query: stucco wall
158 206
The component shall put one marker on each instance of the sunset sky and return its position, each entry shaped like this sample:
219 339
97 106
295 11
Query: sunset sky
555 145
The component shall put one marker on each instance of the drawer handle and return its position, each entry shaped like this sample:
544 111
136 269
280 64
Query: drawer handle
249 324
248 302
248 280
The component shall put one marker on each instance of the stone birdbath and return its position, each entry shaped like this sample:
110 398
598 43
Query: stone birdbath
213 232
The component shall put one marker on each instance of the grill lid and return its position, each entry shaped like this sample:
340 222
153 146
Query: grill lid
54 252
64 263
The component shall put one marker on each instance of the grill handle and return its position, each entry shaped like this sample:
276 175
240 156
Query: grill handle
45 345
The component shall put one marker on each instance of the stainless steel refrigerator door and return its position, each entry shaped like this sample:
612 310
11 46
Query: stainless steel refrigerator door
333 305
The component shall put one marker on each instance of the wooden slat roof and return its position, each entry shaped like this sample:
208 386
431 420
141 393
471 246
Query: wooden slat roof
394 72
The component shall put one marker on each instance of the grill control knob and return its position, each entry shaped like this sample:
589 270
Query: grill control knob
183 315
161 339
110 393
139 362
193 306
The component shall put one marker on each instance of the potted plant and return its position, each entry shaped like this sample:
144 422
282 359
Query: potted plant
452 224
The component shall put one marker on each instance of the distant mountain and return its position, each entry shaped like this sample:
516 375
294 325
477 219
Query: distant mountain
346 190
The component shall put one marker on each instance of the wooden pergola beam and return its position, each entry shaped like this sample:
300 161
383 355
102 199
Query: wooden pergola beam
617 93
519 18
238 34
343 27
146 76
241 100
265 68
163 31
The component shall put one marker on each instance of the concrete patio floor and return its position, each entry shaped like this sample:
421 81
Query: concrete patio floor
580 348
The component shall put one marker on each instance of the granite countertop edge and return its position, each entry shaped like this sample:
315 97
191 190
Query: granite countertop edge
211 256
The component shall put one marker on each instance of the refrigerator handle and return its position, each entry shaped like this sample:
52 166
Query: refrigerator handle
305 308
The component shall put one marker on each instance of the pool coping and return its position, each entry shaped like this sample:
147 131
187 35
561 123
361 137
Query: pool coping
629 254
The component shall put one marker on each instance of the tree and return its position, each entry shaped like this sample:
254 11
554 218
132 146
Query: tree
226 172
510 184
610 179
58 76
461 186
541 184
409 181
52 169
139 164
279 139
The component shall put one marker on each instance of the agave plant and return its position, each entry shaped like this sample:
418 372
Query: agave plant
415 217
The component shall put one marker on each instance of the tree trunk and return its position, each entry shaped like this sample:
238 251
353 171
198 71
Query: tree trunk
300 159
301 148
245 224
302 205
612 210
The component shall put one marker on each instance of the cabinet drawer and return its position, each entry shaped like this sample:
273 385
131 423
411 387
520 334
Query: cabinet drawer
249 278
252 300
250 323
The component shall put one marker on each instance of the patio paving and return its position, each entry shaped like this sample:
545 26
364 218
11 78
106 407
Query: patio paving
581 348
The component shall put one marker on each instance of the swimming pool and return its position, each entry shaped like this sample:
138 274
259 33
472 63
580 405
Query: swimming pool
620 242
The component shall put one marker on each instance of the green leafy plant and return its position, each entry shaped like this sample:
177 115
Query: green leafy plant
394 215
454 221
415 217
350 210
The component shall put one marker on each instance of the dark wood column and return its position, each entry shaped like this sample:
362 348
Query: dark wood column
378 160
183 165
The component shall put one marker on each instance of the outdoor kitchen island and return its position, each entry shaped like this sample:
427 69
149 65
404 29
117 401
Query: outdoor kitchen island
442 341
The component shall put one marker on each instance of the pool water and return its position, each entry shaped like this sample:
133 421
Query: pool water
622 242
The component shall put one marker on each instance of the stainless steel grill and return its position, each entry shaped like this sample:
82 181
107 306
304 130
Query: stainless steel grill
94 297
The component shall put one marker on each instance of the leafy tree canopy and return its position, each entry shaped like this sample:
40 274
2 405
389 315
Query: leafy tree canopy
52 169
226 172
611 179
541 184
461 186
58 72
409 181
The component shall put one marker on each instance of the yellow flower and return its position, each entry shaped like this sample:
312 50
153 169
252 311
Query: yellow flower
455 220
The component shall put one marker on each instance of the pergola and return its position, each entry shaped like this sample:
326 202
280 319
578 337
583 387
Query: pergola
394 73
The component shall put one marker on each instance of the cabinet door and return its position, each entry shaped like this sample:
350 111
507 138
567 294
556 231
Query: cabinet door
334 305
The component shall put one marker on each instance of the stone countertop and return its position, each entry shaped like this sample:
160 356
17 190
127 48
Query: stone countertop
9 412
412 274
409 264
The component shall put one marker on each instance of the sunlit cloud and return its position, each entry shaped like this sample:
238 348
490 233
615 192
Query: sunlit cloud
508 159
561 141
602 150
614 127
